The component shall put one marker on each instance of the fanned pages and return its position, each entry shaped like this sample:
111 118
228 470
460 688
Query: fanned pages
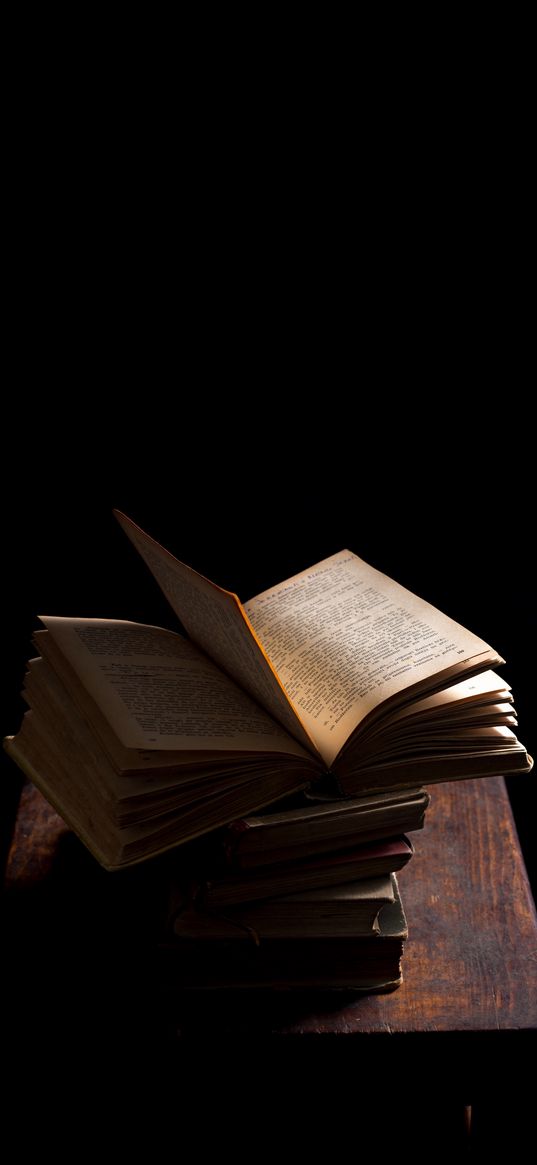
216 620
338 680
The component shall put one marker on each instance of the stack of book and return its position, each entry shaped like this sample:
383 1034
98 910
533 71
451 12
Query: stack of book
338 689
303 896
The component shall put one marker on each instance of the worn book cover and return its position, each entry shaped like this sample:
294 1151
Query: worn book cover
369 961
329 869
321 826
330 911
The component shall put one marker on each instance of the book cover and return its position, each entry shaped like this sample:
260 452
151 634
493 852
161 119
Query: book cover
355 962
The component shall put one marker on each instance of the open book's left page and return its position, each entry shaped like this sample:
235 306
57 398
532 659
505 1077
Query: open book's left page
158 691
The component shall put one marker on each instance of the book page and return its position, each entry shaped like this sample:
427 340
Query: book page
343 638
215 620
158 691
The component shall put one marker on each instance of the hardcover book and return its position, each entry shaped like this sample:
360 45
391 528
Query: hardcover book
321 870
365 960
315 827
329 912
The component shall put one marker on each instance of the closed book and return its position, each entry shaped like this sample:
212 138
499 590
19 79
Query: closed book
355 962
331 912
320 826
330 869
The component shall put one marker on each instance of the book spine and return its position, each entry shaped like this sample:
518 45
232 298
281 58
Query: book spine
232 838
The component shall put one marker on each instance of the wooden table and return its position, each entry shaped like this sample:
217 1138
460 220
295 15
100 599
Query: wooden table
83 970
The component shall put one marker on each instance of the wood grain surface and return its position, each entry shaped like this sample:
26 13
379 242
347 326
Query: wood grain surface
83 941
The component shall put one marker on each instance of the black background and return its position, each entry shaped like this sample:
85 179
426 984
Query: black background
261 371
269 313
250 483
262 361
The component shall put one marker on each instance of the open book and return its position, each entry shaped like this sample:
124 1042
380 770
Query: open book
143 738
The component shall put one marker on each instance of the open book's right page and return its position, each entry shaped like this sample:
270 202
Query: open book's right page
343 638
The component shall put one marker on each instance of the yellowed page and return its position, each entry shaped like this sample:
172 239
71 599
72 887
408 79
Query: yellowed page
215 620
343 638
158 691
485 690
